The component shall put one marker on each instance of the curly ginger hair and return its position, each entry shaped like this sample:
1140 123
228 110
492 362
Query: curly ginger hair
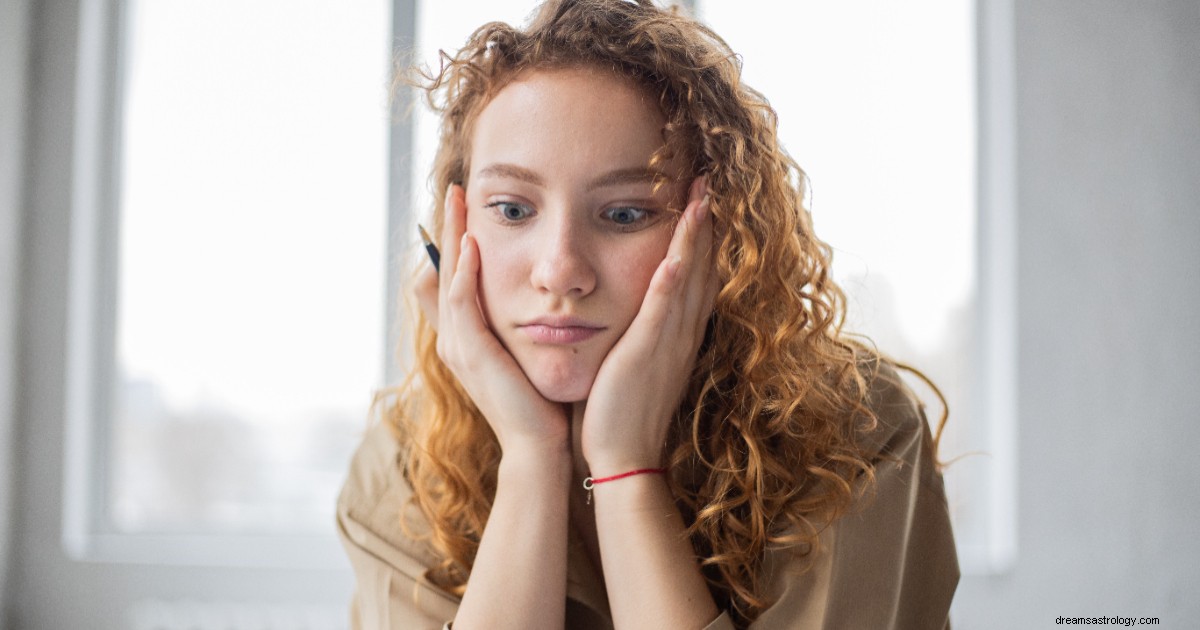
765 447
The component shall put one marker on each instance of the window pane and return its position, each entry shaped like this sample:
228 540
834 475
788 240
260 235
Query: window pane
446 26
876 101
251 263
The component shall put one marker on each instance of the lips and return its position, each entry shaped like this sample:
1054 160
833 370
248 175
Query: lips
560 330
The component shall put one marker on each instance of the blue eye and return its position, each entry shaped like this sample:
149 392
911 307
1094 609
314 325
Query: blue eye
626 215
510 211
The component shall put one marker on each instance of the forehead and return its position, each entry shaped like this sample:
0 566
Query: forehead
566 116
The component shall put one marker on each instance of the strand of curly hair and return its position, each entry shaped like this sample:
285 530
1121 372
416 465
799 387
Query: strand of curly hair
766 440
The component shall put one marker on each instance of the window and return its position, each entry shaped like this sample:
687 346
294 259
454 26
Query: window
236 313
251 232
877 103
447 26
155 229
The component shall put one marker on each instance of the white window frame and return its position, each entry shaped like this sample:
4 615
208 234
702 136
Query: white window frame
996 266
87 535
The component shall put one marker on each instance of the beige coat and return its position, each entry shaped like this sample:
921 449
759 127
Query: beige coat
890 565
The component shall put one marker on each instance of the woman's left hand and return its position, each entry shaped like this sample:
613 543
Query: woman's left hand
641 381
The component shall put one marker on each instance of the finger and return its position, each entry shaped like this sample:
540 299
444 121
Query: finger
426 292
702 278
669 277
707 248
698 190
694 294
464 291
685 229
692 247
692 220
703 262
453 227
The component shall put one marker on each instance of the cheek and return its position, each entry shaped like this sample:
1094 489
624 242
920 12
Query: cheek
500 270
641 272
635 269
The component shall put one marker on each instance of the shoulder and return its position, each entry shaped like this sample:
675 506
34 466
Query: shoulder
901 427
374 500
390 561
890 561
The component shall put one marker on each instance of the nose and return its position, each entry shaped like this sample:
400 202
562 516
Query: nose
563 265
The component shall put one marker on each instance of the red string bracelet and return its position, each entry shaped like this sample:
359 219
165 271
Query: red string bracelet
591 482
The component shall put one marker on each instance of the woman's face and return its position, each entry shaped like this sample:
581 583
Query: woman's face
561 203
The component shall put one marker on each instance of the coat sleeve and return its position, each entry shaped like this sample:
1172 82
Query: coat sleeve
890 562
389 568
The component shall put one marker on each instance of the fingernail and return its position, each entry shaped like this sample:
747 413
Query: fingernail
673 264
462 244
702 211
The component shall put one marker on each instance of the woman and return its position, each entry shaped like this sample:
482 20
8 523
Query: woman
631 300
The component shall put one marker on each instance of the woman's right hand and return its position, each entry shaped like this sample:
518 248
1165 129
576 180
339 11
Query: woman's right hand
520 417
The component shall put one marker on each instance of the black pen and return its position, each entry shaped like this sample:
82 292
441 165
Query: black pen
434 255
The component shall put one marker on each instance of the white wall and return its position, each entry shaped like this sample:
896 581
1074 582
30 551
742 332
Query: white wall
1108 119
1108 175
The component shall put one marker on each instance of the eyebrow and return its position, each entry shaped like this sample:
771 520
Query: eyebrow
620 176
512 171
612 178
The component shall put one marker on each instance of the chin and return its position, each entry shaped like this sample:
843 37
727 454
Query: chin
560 381
568 390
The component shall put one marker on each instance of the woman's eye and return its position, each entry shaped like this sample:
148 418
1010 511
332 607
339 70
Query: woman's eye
626 216
510 211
